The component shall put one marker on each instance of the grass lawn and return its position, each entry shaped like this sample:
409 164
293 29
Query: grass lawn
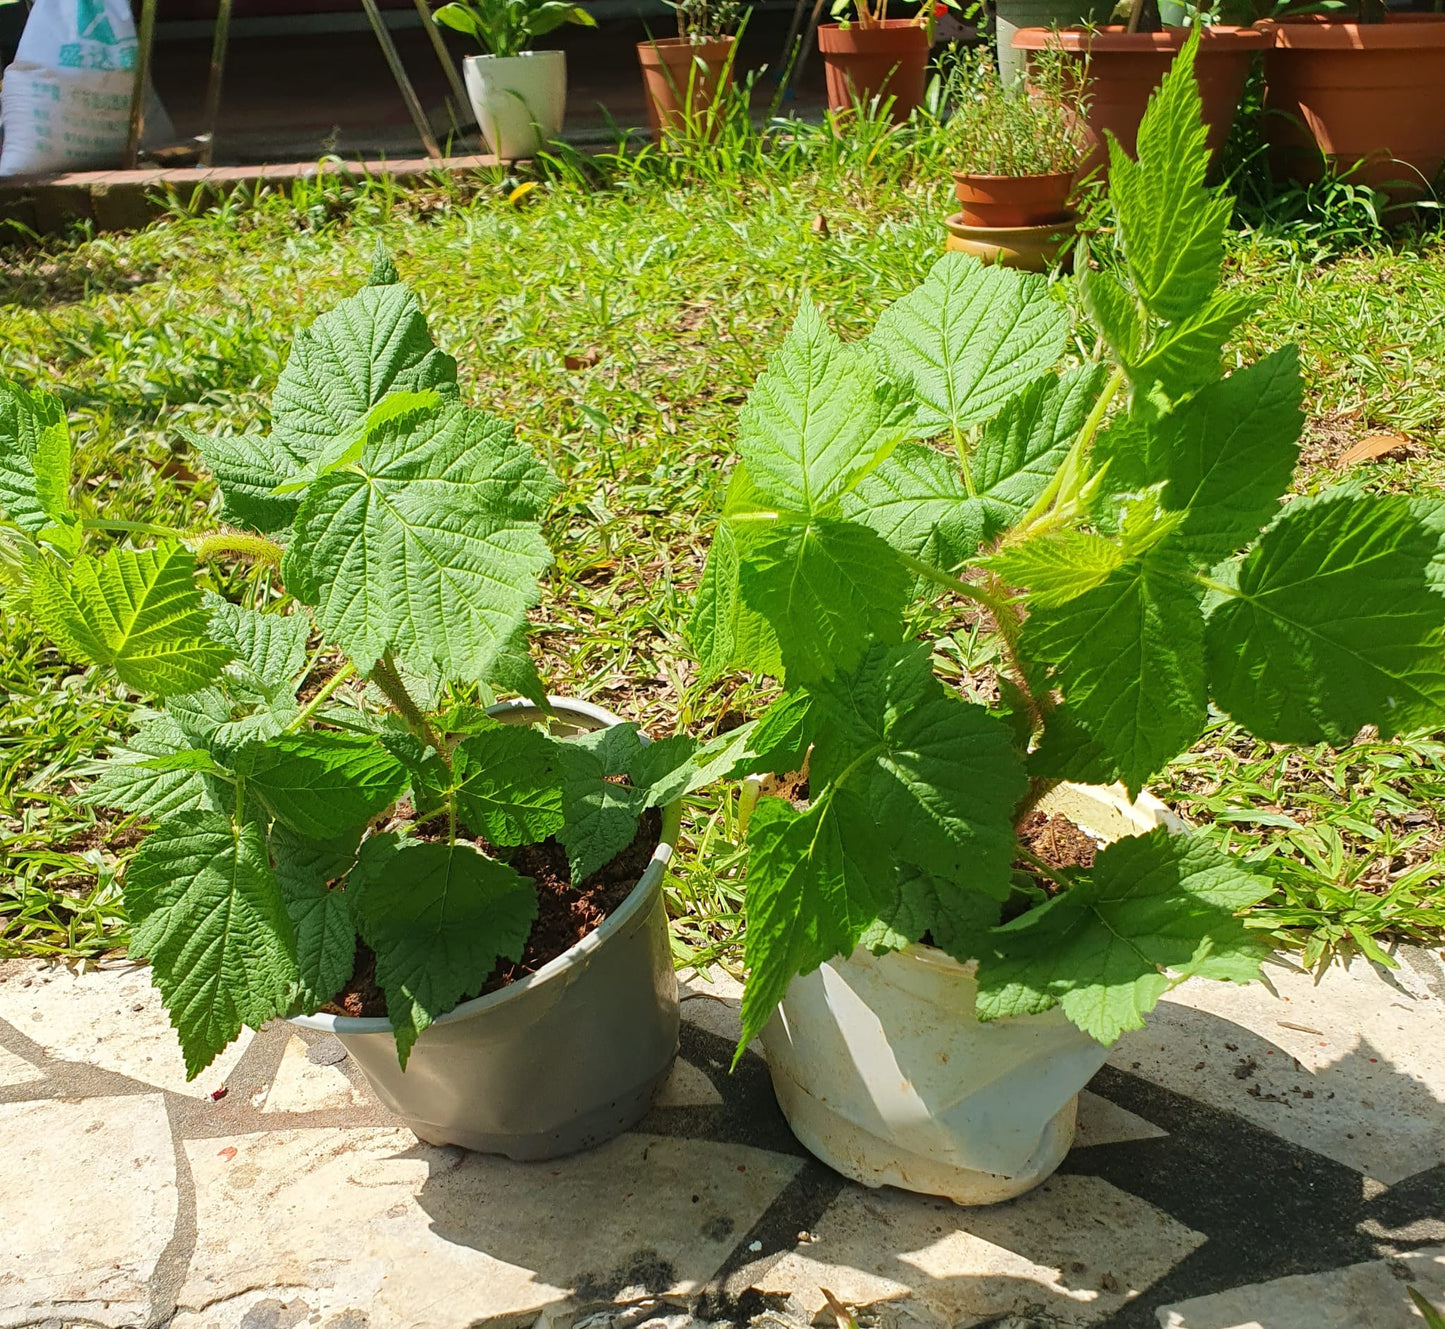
620 330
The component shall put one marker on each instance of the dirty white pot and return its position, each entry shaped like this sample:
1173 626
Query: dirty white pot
519 100
884 1072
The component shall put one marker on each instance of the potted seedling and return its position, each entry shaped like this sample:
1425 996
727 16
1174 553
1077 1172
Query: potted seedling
519 95
963 895
1015 159
872 57
1359 90
1124 63
341 821
687 78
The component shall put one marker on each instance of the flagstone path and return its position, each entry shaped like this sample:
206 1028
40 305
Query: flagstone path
1270 1157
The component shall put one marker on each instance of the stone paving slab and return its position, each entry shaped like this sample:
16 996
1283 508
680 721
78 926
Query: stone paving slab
1256 1158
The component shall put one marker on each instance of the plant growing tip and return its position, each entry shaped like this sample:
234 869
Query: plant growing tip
1123 528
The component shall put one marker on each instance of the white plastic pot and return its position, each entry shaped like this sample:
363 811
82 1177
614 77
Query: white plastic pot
884 1072
519 100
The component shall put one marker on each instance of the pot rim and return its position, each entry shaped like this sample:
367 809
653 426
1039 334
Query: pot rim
676 43
1002 235
555 968
1115 40
1363 37
521 55
961 176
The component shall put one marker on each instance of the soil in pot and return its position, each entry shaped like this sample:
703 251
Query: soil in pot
564 914
1346 93
1126 67
683 81
884 60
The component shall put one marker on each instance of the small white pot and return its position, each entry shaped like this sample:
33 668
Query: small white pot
884 1072
519 100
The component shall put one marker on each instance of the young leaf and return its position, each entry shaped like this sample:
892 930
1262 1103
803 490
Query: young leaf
352 356
1129 655
599 814
813 887
138 611
1170 227
1056 567
438 917
816 421
269 650
835 584
325 932
509 785
968 339
414 549
782 738
514 670
34 460
321 784
207 913
1186 355
723 631
126 780
1153 910
1335 623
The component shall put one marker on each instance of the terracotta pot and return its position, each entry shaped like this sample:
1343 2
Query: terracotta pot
890 60
683 81
1341 93
1125 67
1013 200
1031 248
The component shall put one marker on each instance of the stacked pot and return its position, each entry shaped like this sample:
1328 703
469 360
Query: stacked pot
1020 221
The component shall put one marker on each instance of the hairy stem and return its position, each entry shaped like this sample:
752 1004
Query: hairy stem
385 675
1040 787
996 605
319 700
255 547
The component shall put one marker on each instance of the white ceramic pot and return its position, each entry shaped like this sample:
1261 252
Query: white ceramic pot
884 1072
519 100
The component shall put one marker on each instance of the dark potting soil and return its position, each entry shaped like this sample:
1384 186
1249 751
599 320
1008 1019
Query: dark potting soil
1057 841
564 914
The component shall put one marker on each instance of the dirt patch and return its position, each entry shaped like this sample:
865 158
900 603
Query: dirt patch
564 914
1056 840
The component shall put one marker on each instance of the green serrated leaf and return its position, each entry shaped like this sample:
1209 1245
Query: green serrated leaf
968 339
269 651
599 814
816 422
128 780
514 670
418 548
1335 624
1153 910
831 586
1129 655
1171 228
320 783
781 740
439 917
321 916
396 408
1186 355
812 890
371 344
248 467
138 611
206 911
1057 567
954 919
34 460
916 500
509 783
724 632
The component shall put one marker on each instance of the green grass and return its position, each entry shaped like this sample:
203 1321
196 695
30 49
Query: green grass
669 289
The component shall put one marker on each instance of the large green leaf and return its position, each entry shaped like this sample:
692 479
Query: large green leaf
248 468
320 783
138 611
439 917
1336 623
813 888
34 460
817 420
419 550
724 632
130 779
1171 228
916 500
1153 910
509 785
207 913
1129 655
599 813
968 339
828 587
370 344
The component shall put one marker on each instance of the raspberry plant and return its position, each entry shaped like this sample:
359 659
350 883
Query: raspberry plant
392 527
1120 524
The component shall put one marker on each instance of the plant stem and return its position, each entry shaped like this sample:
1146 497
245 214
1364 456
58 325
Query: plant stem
384 674
996 605
1073 469
327 688
1040 787
255 547
1052 873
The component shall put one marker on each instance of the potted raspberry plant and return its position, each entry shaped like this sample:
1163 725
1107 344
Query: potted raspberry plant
343 822
959 894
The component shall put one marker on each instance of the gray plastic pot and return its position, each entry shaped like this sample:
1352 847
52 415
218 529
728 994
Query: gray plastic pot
1011 15
562 1060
